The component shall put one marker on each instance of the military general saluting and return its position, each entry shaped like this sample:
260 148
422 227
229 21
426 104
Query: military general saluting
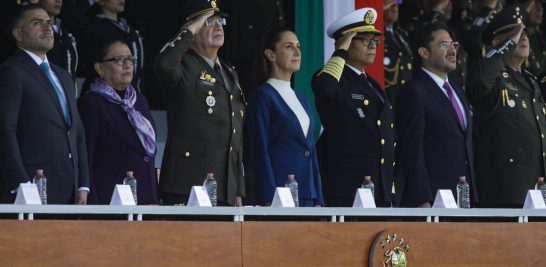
358 137
510 109
205 109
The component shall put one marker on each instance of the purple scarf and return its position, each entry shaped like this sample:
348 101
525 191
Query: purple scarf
143 127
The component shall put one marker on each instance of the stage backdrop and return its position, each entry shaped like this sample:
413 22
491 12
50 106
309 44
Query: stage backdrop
312 19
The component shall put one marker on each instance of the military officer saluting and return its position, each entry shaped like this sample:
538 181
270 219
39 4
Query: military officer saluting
358 137
205 109
510 109
398 58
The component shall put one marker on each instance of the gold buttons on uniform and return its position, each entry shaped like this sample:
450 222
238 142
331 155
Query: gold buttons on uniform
250 26
511 160
233 131
392 125
306 153
231 148
488 21
542 136
210 92
280 18
184 31
378 122
241 113
232 114
543 155
231 97
366 102
537 118
394 144
400 53
187 154
516 95
402 82
382 141
172 45
382 161
402 67
394 163
178 38
534 100
391 106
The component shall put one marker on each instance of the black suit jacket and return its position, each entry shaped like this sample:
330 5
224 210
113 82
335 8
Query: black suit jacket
358 138
435 151
200 141
33 132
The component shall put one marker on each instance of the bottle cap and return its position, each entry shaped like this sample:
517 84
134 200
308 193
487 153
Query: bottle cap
462 178
541 178
210 174
39 171
130 173
290 176
367 177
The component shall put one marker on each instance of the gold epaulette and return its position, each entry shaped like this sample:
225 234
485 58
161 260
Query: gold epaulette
334 67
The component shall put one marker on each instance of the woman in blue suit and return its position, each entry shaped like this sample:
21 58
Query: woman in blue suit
280 123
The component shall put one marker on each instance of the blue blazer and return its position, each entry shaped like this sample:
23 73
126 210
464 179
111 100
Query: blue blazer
434 149
279 147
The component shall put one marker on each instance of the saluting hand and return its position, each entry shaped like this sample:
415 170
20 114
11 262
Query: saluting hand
195 25
515 34
345 41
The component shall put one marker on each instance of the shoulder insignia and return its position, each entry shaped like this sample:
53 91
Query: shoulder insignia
543 80
530 74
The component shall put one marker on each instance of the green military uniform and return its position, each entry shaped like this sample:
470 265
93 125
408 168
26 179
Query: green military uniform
205 122
511 112
398 61
472 30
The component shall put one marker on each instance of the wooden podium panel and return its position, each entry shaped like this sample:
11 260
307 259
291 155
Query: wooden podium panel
119 243
348 244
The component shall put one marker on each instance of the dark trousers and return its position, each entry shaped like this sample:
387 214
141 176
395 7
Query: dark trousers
348 202
170 199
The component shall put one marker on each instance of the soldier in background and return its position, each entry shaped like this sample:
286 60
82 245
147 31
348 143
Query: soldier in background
536 62
398 58
483 11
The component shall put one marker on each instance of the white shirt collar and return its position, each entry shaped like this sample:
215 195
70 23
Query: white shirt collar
210 62
36 58
436 79
356 70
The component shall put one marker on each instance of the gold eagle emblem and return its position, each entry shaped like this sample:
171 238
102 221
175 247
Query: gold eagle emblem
368 18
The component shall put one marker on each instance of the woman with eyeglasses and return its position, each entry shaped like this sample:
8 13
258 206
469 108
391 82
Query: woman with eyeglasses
119 128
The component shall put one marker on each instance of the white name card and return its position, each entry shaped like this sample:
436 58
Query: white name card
364 198
123 196
283 198
28 195
534 200
444 200
199 197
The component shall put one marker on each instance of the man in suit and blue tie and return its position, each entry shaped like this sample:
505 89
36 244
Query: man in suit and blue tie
434 122
40 127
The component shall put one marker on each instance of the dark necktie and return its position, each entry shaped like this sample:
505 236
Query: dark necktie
455 104
45 68
394 38
363 75
219 72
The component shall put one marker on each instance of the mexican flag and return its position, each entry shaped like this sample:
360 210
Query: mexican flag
312 19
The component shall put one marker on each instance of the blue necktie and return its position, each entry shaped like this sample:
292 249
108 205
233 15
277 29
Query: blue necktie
45 68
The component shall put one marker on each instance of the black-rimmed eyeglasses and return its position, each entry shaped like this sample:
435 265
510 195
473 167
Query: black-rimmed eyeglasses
366 41
121 60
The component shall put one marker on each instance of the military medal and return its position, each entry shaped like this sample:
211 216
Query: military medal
523 104
211 102
512 103
360 113
505 74
202 77
409 66
386 61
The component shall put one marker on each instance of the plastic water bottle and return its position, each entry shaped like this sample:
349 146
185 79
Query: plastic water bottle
463 194
542 187
41 183
368 184
211 186
293 185
132 182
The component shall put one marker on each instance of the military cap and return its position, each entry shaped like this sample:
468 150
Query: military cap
194 8
505 21
361 21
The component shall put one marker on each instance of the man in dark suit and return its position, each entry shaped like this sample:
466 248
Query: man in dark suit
205 110
40 127
358 138
433 122
511 112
